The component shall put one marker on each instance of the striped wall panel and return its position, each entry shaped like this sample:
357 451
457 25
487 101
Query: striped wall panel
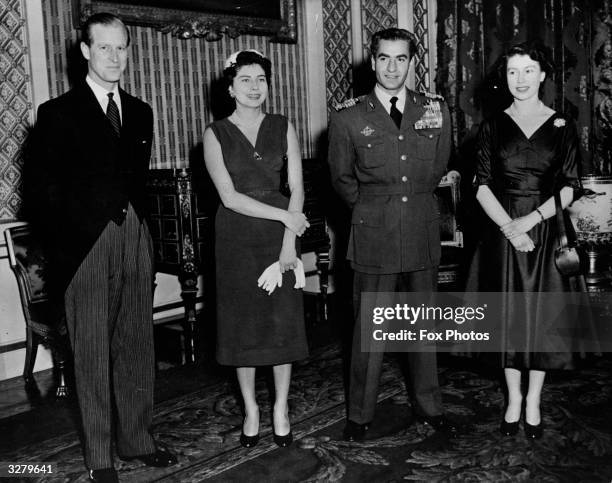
178 78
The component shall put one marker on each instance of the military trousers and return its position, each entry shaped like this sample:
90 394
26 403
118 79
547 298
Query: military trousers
365 367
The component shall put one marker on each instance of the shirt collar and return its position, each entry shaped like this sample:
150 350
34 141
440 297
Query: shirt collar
102 94
385 99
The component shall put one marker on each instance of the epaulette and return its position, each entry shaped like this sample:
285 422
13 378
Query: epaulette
431 95
348 103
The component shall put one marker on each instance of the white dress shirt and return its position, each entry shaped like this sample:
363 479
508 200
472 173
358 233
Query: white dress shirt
102 95
385 99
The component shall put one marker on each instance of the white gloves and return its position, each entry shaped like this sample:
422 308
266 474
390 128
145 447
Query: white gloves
272 277
300 276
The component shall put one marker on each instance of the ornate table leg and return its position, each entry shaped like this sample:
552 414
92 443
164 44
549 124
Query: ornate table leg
188 275
322 264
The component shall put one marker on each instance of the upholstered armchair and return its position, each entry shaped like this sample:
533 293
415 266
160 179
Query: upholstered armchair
45 323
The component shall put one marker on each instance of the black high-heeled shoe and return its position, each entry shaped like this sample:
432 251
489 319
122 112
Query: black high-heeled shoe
283 441
533 431
248 441
509 429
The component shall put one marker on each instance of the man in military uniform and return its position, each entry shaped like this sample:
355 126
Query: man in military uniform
387 153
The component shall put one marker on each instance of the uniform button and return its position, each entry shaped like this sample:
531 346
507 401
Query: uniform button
403 157
431 136
404 178
124 211
369 145
404 199
401 137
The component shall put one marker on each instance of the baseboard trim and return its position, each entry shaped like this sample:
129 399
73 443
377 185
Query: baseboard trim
12 347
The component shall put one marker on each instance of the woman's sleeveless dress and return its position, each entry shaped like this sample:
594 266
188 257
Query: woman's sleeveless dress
254 328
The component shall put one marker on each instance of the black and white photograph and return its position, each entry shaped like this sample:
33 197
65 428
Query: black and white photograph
306 241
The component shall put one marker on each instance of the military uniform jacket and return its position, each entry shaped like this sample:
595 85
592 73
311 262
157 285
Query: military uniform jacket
387 176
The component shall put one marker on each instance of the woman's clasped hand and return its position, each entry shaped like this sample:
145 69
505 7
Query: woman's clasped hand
296 221
516 232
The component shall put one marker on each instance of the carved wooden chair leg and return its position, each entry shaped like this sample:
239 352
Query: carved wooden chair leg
189 326
61 349
62 388
323 272
31 351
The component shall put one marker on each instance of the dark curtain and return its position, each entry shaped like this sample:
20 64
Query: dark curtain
473 34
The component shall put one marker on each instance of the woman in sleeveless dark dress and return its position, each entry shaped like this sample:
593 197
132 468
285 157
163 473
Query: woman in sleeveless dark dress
524 154
255 231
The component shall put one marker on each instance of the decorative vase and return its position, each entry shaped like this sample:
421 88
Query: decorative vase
591 216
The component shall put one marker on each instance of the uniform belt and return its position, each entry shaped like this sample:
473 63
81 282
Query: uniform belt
520 192
393 189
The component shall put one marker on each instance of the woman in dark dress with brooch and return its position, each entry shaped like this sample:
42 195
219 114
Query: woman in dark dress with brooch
255 234
524 155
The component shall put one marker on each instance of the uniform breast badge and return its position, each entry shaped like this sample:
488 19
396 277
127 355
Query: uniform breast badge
432 117
367 131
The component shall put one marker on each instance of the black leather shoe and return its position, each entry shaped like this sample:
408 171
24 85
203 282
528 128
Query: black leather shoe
354 431
160 459
248 441
104 475
509 429
440 423
283 441
533 431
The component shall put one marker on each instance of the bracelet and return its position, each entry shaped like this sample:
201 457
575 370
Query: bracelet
540 213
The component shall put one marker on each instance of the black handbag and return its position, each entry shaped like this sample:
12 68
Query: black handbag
569 258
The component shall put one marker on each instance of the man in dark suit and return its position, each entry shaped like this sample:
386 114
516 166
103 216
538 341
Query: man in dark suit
387 153
87 169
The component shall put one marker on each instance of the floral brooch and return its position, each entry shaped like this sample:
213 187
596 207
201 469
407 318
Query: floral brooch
559 122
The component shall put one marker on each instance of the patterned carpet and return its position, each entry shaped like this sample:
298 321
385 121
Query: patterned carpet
203 429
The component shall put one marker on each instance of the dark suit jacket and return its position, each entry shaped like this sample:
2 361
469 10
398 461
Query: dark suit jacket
387 176
80 175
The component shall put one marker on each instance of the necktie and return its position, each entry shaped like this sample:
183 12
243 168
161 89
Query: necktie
395 113
112 112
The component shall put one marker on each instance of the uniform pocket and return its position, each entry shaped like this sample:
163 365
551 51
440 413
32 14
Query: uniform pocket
372 154
426 143
366 235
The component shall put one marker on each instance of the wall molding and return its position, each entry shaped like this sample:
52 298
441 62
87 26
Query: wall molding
315 73
38 59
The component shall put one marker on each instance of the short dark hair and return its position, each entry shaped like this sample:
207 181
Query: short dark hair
393 34
247 57
101 18
534 49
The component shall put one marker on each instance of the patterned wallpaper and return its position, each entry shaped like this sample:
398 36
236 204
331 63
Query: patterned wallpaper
376 15
15 107
344 79
338 51
421 31
180 79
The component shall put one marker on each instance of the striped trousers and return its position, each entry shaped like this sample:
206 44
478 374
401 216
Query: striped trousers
109 305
